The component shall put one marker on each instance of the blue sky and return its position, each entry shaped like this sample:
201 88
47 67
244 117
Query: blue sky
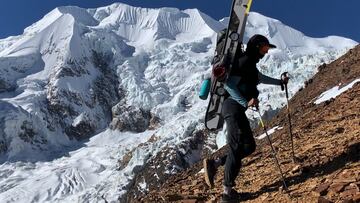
315 18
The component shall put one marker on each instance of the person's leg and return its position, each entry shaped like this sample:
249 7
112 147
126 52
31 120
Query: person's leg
241 144
232 112
247 142
246 138
229 160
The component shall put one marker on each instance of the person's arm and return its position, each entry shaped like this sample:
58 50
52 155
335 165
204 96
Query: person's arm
231 88
268 80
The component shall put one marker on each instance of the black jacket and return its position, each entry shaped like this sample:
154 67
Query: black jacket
245 67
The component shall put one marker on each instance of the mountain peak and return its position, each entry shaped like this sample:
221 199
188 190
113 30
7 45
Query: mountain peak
80 15
124 80
144 25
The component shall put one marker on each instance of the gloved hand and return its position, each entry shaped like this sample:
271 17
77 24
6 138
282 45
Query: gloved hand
254 102
284 79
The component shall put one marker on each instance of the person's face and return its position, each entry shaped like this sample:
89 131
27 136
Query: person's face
264 49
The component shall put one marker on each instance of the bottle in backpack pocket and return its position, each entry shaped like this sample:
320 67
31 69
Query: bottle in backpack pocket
205 89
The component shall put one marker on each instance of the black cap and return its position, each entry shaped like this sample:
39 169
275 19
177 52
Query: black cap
259 40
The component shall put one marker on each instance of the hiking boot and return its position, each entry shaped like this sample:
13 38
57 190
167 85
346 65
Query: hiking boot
209 171
233 197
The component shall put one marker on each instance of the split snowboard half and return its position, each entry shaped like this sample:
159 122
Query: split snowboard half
224 60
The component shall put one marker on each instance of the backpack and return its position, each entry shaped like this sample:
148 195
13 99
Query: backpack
221 61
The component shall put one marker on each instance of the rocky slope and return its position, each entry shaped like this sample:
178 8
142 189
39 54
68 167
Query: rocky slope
96 101
326 142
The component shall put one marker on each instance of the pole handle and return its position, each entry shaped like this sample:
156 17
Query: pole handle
284 85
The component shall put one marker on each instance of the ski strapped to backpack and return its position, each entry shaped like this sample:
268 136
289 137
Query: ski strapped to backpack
229 45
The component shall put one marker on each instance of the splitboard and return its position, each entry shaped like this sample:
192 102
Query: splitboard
233 38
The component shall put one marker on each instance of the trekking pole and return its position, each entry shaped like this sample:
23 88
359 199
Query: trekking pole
273 151
284 75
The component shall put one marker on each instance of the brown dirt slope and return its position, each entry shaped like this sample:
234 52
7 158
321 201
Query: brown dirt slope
326 141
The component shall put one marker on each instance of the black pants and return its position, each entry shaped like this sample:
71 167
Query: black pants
239 138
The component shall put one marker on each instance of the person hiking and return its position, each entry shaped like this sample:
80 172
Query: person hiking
241 87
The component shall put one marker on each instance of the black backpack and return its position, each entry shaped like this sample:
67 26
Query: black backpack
220 61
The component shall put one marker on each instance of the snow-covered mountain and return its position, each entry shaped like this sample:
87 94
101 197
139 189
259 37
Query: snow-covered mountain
88 96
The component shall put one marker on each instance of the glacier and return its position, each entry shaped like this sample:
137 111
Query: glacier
88 97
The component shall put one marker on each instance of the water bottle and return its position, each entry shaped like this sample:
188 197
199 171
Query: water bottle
205 89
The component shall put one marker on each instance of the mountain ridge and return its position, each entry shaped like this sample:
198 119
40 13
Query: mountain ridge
326 138
104 106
